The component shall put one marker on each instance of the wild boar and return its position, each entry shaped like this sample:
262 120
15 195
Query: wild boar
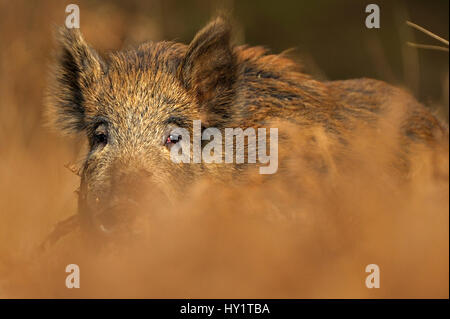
129 104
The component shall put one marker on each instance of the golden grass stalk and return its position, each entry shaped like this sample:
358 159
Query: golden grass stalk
429 33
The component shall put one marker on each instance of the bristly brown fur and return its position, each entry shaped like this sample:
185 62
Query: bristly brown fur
136 96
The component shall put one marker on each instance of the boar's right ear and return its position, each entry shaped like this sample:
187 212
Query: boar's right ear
208 68
77 67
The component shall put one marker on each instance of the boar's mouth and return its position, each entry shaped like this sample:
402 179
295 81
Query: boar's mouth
106 217
115 217
112 219
121 209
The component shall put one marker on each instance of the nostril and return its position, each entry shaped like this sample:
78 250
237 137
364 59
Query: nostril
129 177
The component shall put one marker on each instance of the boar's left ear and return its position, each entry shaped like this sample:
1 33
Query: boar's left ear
208 68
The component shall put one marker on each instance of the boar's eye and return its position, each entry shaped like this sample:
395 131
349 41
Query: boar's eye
172 139
100 135
173 134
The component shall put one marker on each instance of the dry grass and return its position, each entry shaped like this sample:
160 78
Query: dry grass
430 34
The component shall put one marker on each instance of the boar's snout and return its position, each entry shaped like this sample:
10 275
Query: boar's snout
114 205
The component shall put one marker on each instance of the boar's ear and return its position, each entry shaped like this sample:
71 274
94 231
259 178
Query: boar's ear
208 68
77 67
